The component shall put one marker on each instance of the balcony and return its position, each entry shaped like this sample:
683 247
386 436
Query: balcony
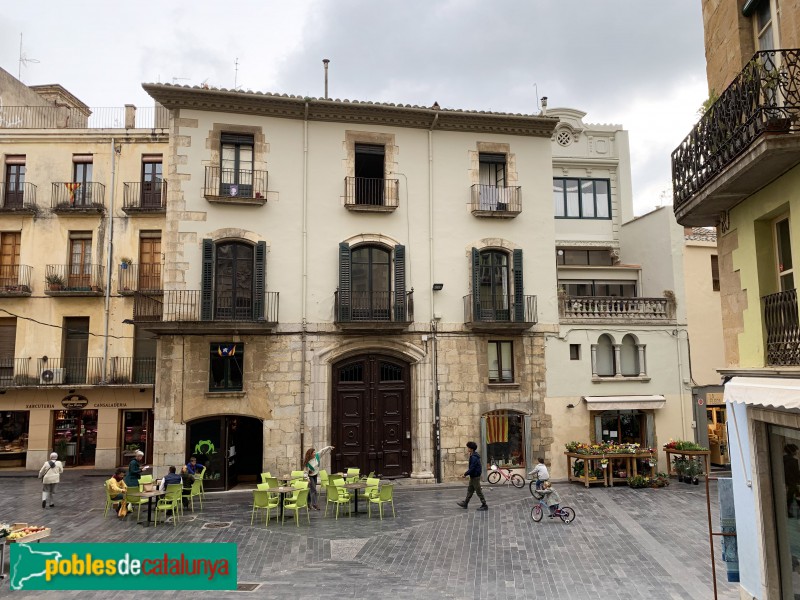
16 197
144 198
22 372
614 309
231 186
15 281
499 313
133 278
783 329
496 201
73 198
373 311
64 117
744 141
74 280
184 312
370 194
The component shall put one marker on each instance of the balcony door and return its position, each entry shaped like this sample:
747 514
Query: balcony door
369 174
82 177
9 259
236 172
233 282
149 262
783 255
76 349
372 281
151 183
494 285
8 339
80 263
15 184
492 177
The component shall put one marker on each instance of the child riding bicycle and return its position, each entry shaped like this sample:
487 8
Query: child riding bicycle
548 497
540 474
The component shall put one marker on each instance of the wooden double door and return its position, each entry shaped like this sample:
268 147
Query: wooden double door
372 415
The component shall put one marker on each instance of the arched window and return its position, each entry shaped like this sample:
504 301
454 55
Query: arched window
505 438
629 357
604 362
233 281
370 289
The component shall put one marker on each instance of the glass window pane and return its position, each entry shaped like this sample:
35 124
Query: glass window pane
507 362
784 245
558 197
494 365
600 258
587 198
602 199
785 468
575 257
573 198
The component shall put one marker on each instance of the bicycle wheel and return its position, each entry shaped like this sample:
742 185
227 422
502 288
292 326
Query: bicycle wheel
536 513
494 477
567 515
517 481
532 486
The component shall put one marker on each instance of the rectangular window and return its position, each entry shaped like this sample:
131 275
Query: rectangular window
14 181
715 273
764 26
82 177
76 349
236 165
152 180
501 362
80 260
370 175
226 367
492 169
135 426
10 242
595 258
783 252
505 439
622 289
575 198
574 351
8 340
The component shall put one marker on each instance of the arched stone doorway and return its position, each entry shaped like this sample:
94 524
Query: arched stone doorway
371 415
229 446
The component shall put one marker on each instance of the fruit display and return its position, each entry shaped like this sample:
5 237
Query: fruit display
18 534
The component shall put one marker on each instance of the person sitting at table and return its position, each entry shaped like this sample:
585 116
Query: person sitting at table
117 489
169 478
187 479
193 467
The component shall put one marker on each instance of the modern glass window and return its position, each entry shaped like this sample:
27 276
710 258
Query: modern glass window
620 289
783 255
623 427
134 434
236 165
581 198
505 439
226 367
784 453
594 258
501 362
14 431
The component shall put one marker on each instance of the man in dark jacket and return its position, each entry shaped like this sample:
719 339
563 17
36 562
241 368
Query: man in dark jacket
474 473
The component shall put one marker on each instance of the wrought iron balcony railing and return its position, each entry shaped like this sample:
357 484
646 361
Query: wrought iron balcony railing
124 370
499 308
15 372
63 117
144 196
75 197
783 328
15 280
138 278
366 193
186 306
370 307
235 183
496 200
27 372
70 371
17 196
78 279
763 97
615 307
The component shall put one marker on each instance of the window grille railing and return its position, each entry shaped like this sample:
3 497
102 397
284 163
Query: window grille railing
185 306
17 196
355 307
370 191
782 327
145 196
235 183
499 308
493 198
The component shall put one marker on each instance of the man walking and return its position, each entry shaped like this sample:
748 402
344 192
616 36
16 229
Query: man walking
474 473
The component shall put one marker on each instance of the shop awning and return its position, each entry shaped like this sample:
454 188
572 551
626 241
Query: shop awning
624 402
774 392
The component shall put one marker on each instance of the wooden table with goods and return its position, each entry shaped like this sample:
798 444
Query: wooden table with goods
21 532
591 466
611 472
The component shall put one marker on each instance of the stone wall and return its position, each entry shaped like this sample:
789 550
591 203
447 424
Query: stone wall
733 298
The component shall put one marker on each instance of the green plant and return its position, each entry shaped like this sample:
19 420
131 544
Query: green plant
705 107
638 482
659 481
577 468
681 464
54 279
694 468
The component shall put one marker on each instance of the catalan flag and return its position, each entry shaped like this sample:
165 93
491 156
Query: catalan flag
496 429
72 187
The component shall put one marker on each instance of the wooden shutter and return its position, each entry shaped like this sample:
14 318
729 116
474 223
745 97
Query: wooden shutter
207 293
344 282
519 299
476 282
259 280
8 339
400 283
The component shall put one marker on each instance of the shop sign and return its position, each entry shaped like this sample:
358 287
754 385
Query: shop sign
715 398
74 401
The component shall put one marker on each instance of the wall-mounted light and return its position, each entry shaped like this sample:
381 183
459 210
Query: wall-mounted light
570 406
128 322
437 287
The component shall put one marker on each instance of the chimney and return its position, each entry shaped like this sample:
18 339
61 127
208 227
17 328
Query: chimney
544 105
325 62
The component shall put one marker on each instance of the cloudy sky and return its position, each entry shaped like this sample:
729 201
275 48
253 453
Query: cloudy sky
635 62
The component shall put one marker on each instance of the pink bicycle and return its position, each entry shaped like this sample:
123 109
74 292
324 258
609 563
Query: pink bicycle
497 474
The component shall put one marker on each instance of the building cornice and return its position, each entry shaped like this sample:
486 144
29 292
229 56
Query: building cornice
49 136
350 112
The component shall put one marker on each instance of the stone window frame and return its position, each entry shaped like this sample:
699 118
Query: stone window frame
261 147
512 175
239 347
353 137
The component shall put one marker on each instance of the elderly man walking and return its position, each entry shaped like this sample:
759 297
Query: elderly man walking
50 474
474 474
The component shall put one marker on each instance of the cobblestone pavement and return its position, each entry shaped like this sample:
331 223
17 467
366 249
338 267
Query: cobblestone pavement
624 544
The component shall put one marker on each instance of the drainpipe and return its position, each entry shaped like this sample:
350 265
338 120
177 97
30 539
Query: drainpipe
109 256
677 334
437 430
305 284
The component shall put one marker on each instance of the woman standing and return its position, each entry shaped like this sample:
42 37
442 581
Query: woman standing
50 474
135 471
311 462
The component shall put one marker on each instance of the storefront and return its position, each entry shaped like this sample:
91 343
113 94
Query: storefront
13 438
505 440
230 447
711 417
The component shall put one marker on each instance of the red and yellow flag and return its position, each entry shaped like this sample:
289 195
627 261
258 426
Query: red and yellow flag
496 429
72 187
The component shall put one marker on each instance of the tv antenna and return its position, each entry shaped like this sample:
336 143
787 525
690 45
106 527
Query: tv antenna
236 73
23 59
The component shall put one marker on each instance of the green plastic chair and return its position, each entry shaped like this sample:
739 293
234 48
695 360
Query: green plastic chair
133 498
264 500
371 489
272 482
336 479
145 479
353 475
109 500
385 495
265 476
172 501
338 497
297 474
300 502
323 478
262 486
201 476
370 476
196 491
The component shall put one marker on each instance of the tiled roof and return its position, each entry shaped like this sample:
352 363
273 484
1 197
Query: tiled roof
702 234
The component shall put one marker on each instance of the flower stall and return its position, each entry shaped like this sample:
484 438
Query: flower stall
607 463
689 460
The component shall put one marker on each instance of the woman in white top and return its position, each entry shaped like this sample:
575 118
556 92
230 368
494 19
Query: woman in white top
312 464
50 474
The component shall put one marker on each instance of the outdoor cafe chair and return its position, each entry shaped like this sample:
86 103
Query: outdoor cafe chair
145 479
371 489
172 501
132 497
109 500
370 476
323 477
352 475
265 476
296 504
196 491
298 474
385 495
200 476
263 500
272 482
338 497
336 479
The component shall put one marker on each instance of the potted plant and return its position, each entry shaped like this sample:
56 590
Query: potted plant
680 467
54 281
125 262
604 463
695 469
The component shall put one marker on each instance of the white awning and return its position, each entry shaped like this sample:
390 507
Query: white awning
774 392
624 402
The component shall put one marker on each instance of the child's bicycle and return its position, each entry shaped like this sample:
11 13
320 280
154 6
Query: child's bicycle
565 513
497 473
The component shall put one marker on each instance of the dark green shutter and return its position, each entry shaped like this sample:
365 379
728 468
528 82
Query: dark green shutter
400 283
476 281
259 279
344 282
207 294
519 299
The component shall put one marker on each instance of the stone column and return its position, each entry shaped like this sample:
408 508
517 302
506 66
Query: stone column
130 116
617 360
642 366
594 360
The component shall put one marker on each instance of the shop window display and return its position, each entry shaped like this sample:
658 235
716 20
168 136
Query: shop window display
13 437
785 462
505 439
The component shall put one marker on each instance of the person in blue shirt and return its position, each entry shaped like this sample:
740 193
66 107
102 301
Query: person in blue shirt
170 478
193 467
474 474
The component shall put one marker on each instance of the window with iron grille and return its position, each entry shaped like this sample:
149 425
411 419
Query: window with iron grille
501 362
226 367
575 198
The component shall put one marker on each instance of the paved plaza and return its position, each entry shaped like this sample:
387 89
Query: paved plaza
625 544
